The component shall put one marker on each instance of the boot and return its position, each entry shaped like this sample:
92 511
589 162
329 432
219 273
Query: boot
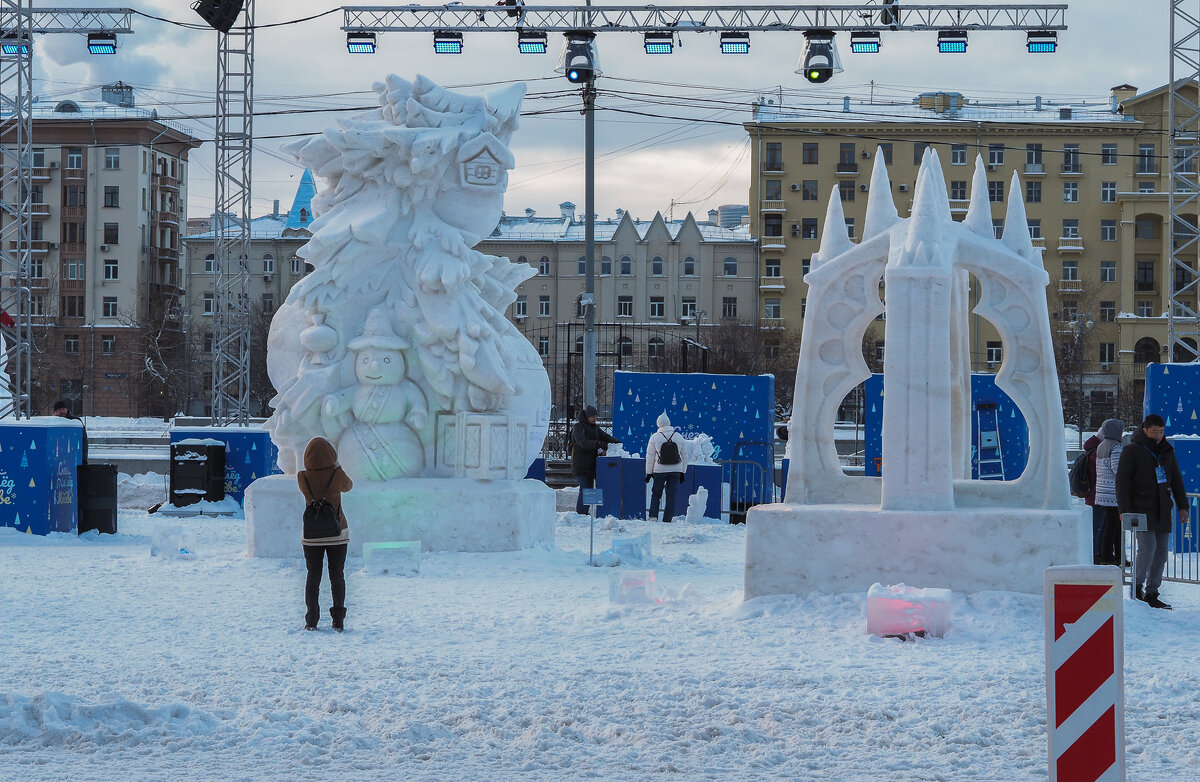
339 618
1139 594
1153 601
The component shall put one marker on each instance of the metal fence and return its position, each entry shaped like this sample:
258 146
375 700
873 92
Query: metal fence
1183 564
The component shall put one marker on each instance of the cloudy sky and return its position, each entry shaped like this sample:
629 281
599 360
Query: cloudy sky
668 132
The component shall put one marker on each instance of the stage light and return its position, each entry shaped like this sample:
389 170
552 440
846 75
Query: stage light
1042 41
531 43
733 42
864 42
446 42
360 43
952 41
820 59
578 61
10 43
659 43
102 43
220 14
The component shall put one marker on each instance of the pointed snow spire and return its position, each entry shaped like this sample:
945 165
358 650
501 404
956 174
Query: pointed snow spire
1016 226
931 187
979 214
834 239
925 223
881 209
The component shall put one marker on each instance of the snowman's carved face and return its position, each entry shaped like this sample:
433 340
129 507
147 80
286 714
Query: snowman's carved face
379 367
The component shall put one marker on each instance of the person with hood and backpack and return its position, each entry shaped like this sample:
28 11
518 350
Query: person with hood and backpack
1104 493
588 441
666 464
1148 478
323 478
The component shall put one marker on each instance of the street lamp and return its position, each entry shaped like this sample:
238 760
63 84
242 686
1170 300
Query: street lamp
1082 325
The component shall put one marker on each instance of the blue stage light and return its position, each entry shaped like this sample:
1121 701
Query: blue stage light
1042 41
659 43
864 42
447 43
952 41
360 43
734 42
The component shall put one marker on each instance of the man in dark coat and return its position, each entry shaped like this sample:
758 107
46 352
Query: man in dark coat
1148 479
587 442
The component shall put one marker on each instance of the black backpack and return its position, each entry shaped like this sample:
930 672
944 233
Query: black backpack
320 517
668 452
1080 475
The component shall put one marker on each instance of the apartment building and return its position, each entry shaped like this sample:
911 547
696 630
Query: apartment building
1093 177
275 265
658 282
109 193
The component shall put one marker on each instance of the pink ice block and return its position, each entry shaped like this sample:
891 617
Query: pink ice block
900 610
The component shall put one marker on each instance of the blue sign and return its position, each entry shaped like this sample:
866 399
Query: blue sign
593 496
38 491
249 453
1171 392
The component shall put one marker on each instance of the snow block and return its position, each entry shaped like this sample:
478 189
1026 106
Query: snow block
632 549
401 557
900 610
171 541
631 586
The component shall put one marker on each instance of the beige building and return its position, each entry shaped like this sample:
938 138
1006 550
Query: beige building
1093 178
109 195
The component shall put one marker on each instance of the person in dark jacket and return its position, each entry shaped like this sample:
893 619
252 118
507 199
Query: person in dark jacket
322 476
63 410
1089 448
588 441
1148 479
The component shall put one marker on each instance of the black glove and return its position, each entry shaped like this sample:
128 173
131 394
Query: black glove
681 477
648 477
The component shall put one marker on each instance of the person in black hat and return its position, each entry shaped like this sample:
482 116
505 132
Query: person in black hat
63 410
588 441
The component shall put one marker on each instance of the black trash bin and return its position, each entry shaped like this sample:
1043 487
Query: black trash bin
97 498
197 471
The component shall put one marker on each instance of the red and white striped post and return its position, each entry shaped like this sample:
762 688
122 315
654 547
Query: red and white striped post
1085 701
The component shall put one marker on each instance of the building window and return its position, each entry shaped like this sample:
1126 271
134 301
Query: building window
1035 228
1108 192
605 266
689 267
1145 308
1070 229
730 267
1144 276
656 266
1069 312
1071 192
846 156
687 307
108 344
112 233
73 269
297 265
728 306
544 267
626 266
582 266
1108 154
772 189
805 267
808 228
37 269
1144 228
658 307
771 309
209 304
543 346
1108 311
268 264
1146 162
1033 156
958 190
112 195
1108 271
1108 230
886 151
1145 187
655 348
39 158
74 157
1070 270
72 306
1033 192
111 268
579 344
995 154
809 190
624 306
998 227
1108 353
521 307
1071 159
771 267
995 352
112 157
850 227
210 264
958 155
919 148
37 305
846 189
803 307
773 160
879 346
109 307
625 346
71 344
543 306
996 191
808 154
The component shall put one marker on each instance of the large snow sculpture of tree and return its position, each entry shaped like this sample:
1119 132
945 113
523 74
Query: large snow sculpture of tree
401 321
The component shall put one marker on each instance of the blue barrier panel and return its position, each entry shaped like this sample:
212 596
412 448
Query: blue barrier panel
609 479
783 478
1173 391
249 453
752 487
38 460
633 488
537 470
1187 452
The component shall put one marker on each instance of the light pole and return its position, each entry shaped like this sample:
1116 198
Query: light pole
1082 324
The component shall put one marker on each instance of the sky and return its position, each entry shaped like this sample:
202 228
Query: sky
669 135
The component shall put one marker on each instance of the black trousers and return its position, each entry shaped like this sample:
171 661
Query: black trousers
314 557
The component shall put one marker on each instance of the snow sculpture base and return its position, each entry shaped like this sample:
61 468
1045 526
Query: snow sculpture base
445 514
797 549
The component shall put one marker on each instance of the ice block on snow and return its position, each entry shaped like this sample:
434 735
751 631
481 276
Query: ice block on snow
900 610
632 549
401 556
632 586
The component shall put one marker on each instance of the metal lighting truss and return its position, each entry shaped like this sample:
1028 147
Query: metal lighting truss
701 19
18 23
1183 113
231 228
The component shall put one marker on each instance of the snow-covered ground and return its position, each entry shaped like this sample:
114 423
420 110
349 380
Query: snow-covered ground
120 666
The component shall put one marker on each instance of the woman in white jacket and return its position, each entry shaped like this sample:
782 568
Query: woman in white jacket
664 468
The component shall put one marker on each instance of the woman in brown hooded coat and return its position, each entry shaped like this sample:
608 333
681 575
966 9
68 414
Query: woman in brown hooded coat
322 476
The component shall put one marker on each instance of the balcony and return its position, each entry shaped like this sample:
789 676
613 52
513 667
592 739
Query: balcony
41 173
772 206
1034 169
166 253
39 211
1145 286
69 212
1071 169
959 204
1070 244
1070 286
771 284
773 243
165 182
771 323
1038 241
845 168
1147 170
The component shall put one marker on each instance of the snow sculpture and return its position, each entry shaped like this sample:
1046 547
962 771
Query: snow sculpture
399 331
924 520
6 406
